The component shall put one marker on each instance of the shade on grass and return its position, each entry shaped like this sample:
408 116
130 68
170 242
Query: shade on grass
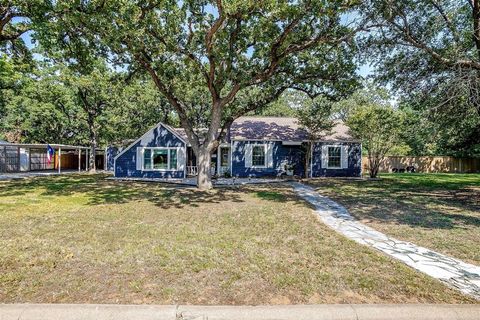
75 239
437 211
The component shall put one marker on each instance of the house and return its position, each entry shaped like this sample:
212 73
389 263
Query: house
254 147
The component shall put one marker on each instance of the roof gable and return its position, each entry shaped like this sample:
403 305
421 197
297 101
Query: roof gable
147 136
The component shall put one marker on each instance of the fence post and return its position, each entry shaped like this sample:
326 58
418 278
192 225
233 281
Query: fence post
59 160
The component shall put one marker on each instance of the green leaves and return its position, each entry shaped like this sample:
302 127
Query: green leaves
315 115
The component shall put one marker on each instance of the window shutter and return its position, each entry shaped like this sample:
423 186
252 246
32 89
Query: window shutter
181 159
270 155
324 156
139 161
248 155
344 155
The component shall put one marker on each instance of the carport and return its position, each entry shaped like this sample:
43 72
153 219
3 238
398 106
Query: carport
20 157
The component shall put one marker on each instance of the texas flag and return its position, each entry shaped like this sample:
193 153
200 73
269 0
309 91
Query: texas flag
50 153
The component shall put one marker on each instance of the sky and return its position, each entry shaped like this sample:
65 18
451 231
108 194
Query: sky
363 70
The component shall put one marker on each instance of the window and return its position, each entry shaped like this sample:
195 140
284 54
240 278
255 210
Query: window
173 159
160 159
147 159
258 156
334 157
224 157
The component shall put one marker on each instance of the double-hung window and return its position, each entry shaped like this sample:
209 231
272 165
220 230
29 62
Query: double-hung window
224 157
334 157
160 159
258 156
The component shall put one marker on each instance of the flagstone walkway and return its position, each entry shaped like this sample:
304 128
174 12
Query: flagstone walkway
455 273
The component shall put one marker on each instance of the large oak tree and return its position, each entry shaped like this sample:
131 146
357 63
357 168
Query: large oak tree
234 56
429 51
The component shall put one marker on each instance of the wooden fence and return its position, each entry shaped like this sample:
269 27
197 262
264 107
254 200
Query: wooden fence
428 164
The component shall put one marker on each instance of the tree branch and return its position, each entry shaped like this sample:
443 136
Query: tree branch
173 100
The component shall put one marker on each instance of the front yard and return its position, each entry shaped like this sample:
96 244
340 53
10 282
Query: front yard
84 239
437 211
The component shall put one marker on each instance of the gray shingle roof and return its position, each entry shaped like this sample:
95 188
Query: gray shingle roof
276 128
267 128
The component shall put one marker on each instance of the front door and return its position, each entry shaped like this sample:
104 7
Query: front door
223 161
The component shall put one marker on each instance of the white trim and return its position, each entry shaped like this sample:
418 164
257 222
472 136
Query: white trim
345 156
328 155
146 133
231 158
266 140
361 160
265 150
218 161
151 158
185 164
292 143
311 159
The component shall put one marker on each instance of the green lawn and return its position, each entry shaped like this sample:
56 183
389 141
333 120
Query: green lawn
84 239
438 211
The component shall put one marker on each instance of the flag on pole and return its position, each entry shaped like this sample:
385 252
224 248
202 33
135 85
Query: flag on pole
50 153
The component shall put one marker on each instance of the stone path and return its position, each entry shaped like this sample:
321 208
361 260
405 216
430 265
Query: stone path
455 273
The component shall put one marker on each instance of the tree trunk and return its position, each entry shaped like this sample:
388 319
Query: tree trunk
308 152
93 144
374 164
204 176
93 155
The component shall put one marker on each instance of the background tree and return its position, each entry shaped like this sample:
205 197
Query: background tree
239 55
93 92
429 52
138 107
379 128
40 109
17 17
315 116
285 106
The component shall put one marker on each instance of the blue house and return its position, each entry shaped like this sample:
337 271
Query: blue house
254 147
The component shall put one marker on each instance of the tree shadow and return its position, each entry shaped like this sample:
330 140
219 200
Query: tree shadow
413 203
100 191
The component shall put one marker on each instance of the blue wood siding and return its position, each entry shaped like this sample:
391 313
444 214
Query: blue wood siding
354 162
111 153
281 154
126 163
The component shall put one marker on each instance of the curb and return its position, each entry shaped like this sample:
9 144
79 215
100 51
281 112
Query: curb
284 312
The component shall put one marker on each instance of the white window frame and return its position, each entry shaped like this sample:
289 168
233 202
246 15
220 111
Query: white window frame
151 158
328 155
265 151
220 149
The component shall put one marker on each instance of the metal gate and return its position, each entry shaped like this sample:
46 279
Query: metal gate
9 159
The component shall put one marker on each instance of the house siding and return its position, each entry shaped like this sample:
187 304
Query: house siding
354 168
110 155
126 163
281 154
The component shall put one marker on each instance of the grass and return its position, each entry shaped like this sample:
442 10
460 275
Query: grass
84 239
437 211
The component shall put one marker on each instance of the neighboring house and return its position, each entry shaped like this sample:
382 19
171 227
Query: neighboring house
254 147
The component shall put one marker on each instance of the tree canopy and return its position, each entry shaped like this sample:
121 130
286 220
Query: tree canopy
226 58
102 71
